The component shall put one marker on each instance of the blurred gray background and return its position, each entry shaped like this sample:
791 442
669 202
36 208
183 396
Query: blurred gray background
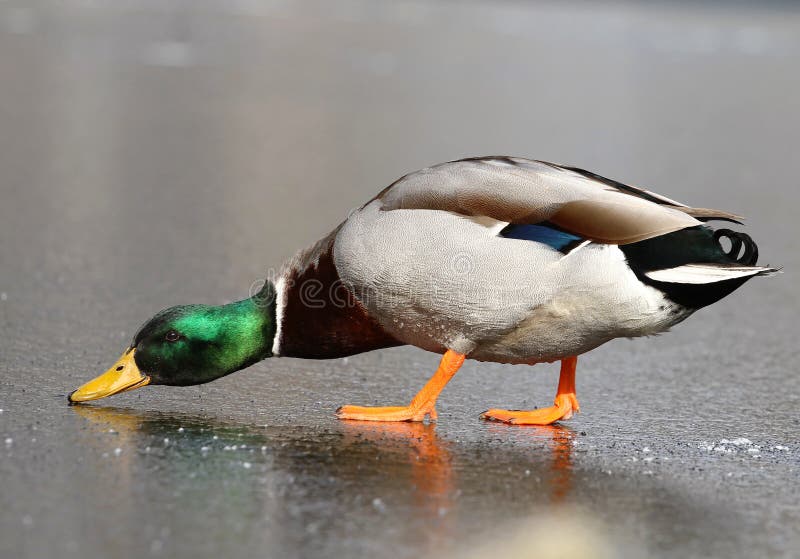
159 152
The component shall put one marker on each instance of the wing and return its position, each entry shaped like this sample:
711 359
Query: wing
524 191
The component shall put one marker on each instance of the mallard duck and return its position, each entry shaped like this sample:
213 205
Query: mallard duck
498 259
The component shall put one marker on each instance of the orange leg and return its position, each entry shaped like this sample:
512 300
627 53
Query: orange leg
423 404
565 404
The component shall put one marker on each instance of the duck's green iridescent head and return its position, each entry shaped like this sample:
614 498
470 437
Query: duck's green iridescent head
190 344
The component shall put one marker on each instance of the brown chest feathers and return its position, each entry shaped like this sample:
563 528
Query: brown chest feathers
320 318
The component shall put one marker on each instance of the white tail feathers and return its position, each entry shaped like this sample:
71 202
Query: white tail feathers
707 273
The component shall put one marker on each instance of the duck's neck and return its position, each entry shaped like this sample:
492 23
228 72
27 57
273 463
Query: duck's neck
244 331
317 316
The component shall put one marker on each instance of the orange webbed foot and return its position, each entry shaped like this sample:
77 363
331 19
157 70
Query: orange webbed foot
424 403
566 402
565 406
387 413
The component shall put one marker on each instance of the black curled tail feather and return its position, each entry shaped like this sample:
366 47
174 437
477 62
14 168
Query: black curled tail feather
738 240
695 246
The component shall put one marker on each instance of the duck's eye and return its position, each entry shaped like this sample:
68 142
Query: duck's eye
172 336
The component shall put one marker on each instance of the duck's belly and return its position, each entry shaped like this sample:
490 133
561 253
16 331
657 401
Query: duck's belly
575 322
440 281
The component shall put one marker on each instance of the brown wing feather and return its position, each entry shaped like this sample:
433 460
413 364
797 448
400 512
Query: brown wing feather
525 191
699 213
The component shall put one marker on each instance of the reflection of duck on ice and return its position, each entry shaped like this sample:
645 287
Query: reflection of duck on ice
392 465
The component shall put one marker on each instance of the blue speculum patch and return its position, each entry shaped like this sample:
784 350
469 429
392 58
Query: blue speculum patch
539 233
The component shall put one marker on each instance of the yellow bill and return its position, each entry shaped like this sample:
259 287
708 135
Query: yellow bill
124 375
